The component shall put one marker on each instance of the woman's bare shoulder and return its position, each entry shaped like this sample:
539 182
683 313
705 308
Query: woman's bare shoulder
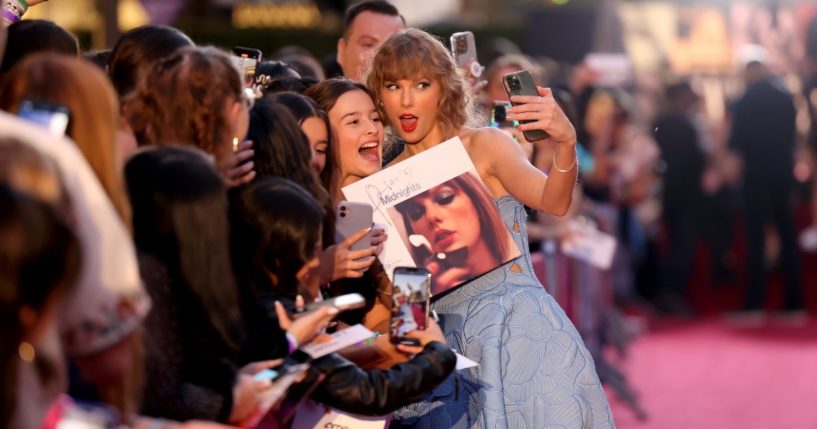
484 139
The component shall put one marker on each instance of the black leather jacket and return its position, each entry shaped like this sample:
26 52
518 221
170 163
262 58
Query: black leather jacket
377 392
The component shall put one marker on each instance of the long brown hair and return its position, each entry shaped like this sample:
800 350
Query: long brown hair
412 53
39 260
182 100
94 112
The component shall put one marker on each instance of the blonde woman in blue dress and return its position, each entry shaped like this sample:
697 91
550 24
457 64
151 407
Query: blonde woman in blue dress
534 370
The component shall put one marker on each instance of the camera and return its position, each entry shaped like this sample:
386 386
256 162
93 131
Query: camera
514 83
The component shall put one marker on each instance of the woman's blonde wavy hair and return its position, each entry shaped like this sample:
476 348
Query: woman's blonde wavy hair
411 53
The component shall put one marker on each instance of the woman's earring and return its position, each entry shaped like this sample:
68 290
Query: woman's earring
235 144
26 352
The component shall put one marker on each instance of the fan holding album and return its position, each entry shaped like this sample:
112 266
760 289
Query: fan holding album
446 219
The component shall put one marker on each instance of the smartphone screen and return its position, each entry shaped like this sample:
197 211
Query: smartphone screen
499 115
247 60
53 117
411 293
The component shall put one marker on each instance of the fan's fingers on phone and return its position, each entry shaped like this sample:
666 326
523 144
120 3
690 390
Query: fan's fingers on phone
354 238
353 274
362 253
380 239
409 350
361 265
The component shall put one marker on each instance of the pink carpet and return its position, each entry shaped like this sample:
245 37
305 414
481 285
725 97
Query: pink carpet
710 374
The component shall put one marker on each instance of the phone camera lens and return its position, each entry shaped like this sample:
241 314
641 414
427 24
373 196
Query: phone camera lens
513 83
342 214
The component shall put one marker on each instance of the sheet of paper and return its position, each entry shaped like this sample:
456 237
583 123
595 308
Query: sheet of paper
464 363
590 245
340 340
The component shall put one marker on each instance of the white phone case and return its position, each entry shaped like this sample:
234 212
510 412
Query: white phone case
351 217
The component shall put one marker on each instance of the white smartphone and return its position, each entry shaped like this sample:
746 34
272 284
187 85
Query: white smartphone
351 217
464 49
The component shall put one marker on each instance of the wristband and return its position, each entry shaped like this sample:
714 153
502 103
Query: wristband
9 17
292 343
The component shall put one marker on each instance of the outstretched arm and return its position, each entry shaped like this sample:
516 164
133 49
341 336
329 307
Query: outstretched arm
508 164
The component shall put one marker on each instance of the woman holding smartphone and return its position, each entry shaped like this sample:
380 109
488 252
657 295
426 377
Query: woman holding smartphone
355 151
534 370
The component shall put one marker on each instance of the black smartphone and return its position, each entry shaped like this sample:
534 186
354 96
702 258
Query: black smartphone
521 83
411 296
247 60
499 115
51 116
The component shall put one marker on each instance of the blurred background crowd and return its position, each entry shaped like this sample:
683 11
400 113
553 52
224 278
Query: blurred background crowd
693 226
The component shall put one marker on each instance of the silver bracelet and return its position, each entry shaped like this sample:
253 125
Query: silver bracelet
568 169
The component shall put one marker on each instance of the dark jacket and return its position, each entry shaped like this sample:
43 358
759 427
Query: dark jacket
763 131
349 388
377 392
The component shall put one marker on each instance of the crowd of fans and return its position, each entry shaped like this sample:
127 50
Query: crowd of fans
153 257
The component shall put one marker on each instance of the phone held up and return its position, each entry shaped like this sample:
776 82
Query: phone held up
351 217
411 297
51 116
247 60
521 83
464 50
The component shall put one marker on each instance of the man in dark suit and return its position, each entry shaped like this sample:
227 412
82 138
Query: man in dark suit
763 133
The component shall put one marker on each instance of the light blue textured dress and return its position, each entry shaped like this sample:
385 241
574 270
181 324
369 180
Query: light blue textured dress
534 370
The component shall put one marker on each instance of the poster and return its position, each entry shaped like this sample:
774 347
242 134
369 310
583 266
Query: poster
438 215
